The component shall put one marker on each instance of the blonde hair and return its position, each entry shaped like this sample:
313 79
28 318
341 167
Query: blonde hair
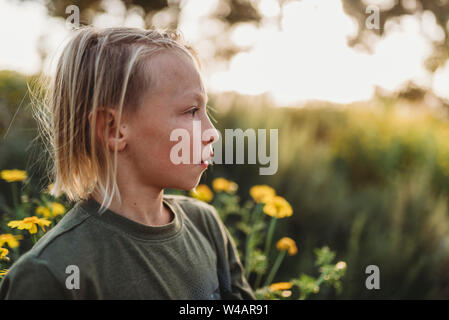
98 68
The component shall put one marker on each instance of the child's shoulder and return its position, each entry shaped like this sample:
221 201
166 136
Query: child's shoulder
55 250
64 231
68 241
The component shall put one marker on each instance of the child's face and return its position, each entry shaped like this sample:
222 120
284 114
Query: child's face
168 107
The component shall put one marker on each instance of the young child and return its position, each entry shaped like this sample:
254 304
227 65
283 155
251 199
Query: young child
117 96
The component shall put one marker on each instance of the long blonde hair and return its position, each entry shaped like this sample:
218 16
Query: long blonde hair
98 68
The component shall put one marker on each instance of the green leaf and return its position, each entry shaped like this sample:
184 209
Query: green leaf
324 256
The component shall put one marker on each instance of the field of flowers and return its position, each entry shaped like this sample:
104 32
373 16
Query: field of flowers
368 180
251 224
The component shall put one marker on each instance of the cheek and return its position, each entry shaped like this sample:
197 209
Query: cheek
157 145
152 142
151 146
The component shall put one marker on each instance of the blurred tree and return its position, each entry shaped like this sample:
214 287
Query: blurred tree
232 12
235 11
90 8
391 10
229 12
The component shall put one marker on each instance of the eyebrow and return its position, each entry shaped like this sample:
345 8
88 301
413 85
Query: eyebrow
200 98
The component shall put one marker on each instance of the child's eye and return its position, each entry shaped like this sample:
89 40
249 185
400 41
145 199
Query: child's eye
193 111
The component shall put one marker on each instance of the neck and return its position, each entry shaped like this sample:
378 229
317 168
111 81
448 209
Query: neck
142 204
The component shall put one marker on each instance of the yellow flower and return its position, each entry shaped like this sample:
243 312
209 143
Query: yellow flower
278 207
222 184
30 224
279 286
340 265
287 243
202 192
10 239
3 253
3 272
262 193
54 210
43 211
13 175
57 208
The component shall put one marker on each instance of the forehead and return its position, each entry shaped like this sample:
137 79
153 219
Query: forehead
176 75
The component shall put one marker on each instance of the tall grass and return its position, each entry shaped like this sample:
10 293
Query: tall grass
371 183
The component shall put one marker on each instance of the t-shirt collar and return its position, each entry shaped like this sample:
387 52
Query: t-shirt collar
134 228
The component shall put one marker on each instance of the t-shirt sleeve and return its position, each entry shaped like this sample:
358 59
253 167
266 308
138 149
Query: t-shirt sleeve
30 279
240 287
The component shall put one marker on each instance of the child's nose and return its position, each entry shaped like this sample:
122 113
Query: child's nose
211 136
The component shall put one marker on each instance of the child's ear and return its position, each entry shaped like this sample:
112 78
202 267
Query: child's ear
107 119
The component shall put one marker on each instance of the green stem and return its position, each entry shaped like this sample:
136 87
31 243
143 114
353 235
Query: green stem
249 238
258 279
317 283
270 236
14 197
320 280
275 267
33 238
267 247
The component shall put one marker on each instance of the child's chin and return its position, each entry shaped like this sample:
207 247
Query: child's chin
187 183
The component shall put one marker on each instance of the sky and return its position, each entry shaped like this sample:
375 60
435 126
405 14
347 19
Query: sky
304 58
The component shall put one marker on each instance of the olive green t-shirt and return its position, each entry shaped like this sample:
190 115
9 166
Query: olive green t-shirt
89 255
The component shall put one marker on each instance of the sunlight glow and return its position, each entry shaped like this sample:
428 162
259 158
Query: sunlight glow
309 59
304 57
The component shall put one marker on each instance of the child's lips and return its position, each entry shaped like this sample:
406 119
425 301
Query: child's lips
205 162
